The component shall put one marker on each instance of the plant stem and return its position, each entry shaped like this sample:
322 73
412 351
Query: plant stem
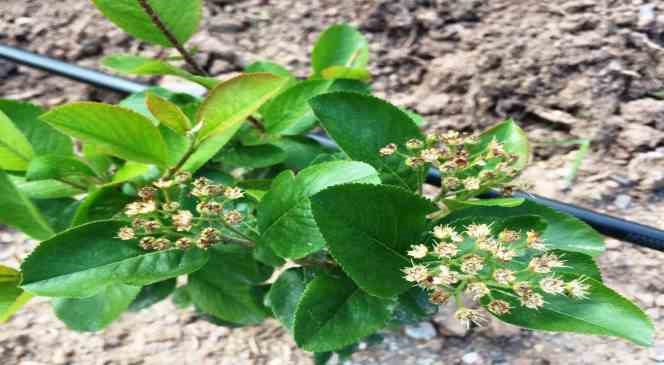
181 162
171 37
256 124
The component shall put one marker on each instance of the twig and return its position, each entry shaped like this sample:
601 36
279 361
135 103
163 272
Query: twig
183 159
171 38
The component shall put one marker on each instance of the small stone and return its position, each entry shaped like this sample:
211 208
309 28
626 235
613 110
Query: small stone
472 358
659 301
658 353
7 69
622 201
421 331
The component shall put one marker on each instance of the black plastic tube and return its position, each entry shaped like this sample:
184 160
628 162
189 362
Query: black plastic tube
610 226
73 72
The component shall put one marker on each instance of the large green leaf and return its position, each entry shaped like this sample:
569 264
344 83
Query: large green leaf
96 312
291 108
43 138
301 151
226 287
12 298
413 306
59 213
563 231
18 211
334 313
233 101
361 125
15 150
368 229
57 167
84 260
285 294
137 65
285 219
152 294
122 132
339 45
180 17
604 312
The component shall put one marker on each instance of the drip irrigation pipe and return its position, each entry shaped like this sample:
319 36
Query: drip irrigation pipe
621 229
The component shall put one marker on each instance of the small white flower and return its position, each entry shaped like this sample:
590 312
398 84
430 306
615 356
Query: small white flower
418 251
478 231
552 285
499 307
577 289
388 150
477 290
504 276
416 273
471 183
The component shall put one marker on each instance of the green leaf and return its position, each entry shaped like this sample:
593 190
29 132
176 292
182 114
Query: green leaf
138 102
84 260
44 189
57 167
563 231
264 155
334 313
344 72
301 151
12 298
233 101
181 17
498 202
511 136
285 219
289 113
368 229
59 213
137 65
225 287
152 294
270 67
132 170
42 138
168 113
15 150
604 313
340 45
285 294
120 131
96 312
413 306
103 203
361 125
19 212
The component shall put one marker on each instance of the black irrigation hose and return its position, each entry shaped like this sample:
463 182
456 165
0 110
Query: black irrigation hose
610 226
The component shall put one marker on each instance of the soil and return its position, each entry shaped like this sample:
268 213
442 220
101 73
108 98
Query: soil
566 70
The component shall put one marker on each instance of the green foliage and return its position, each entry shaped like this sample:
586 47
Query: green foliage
18 211
15 150
181 17
334 312
285 219
361 125
339 45
82 261
12 298
364 221
98 311
120 132
606 314
137 65
336 244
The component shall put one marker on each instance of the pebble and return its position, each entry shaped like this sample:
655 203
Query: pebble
421 331
658 353
622 201
472 358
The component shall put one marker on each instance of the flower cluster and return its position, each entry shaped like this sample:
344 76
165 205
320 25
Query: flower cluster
481 264
159 222
465 166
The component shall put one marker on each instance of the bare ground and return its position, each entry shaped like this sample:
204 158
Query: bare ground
566 70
